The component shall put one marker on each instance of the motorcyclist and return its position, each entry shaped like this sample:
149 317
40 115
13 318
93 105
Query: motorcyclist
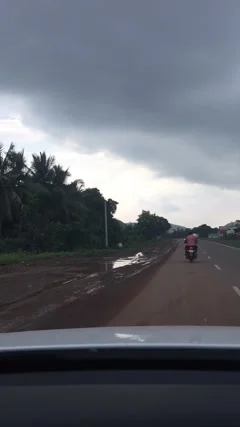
191 240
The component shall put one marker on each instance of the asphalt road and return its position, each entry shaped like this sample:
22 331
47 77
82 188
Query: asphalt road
206 292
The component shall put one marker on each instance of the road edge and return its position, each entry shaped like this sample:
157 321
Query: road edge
108 303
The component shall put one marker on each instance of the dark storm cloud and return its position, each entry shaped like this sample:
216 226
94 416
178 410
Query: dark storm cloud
160 78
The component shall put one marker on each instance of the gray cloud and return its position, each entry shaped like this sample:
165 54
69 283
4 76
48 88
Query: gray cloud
160 78
170 208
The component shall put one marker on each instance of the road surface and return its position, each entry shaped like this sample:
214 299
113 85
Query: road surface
166 291
71 292
206 292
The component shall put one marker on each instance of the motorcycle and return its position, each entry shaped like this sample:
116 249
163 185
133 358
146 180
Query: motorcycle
191 254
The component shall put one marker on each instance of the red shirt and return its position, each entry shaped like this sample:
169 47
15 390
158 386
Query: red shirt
191 240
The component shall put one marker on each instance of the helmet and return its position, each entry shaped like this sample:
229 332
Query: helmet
195 235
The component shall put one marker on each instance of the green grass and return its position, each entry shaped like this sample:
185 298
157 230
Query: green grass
19 257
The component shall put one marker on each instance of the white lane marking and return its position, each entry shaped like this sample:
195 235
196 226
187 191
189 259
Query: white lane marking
209 257
204 252
237 290
217 267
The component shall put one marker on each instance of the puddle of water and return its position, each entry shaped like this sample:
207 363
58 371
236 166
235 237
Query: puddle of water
92 269
136 259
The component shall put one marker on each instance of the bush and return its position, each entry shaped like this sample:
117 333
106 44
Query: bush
10 245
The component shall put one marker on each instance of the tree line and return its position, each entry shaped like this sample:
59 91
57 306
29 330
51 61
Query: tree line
42 209
203 231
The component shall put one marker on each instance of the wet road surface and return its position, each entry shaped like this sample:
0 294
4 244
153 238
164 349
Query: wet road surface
73 292
158 287
206 292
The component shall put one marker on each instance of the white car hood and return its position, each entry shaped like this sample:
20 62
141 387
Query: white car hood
122 337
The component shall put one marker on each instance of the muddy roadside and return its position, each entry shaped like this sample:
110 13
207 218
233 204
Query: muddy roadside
77 292
29 278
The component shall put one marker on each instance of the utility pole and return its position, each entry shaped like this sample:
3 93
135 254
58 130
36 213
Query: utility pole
106 224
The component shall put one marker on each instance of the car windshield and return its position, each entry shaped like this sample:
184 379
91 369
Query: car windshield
119 164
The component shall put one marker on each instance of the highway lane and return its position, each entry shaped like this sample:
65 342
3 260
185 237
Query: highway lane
206 292
226 258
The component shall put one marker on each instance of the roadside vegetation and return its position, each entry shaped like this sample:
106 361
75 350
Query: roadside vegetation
21 257
203 231
43 213
25 257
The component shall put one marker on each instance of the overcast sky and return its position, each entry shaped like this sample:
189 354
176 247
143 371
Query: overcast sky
139 97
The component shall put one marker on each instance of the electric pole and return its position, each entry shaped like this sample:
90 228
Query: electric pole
106 224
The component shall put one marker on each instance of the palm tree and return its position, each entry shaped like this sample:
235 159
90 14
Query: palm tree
74 199
46 172
65 197
76 186
60 175
12 175
42 168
